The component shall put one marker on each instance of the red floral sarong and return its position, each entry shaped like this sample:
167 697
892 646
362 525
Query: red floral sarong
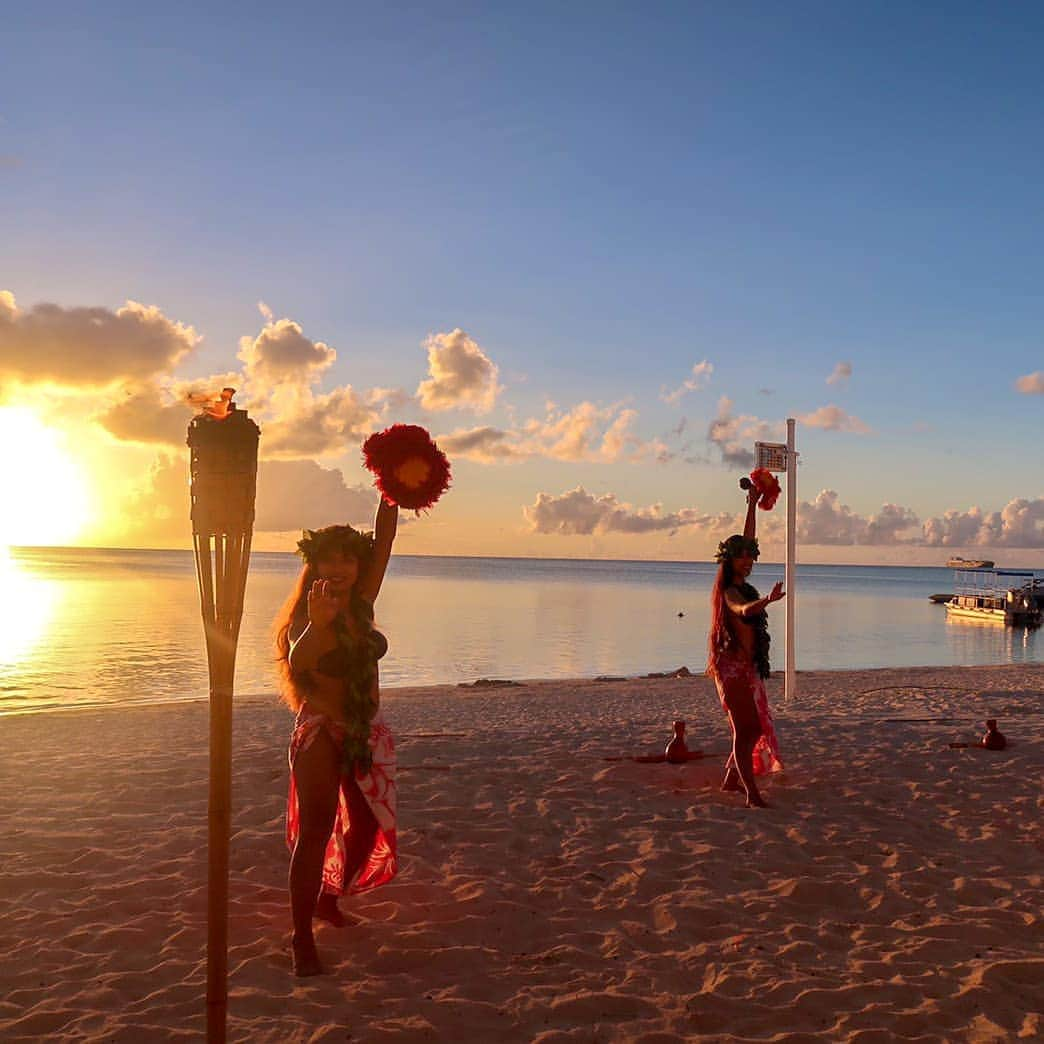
738 675
378 788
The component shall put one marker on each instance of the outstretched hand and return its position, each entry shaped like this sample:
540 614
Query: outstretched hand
777 592
322 605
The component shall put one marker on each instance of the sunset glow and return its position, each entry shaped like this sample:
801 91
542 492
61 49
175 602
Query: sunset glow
46 498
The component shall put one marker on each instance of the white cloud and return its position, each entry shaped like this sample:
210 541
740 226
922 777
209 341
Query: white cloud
461 375
1031 383
696 381
309 425
299 494
826 521
159 412
487 445
77 347
579 513
1020 523
734 436
291 495
841 374
833 418
281 352
584 432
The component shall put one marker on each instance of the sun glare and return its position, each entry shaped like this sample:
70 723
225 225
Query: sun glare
45 496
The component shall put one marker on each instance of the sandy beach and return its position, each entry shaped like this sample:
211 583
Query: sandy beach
892 891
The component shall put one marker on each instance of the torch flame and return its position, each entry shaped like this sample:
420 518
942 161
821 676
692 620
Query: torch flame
216 406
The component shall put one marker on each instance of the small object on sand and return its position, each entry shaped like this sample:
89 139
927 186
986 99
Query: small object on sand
992 739
681 672
677 751
680 615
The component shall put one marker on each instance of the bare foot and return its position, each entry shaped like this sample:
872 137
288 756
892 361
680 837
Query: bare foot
306 958
326 909
756 801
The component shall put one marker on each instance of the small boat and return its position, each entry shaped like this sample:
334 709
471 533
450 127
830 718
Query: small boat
969 563
1006 596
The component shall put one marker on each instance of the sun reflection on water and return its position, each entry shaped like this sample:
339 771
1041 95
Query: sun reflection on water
26 609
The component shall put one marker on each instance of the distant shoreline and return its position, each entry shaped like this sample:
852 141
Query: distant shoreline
44 548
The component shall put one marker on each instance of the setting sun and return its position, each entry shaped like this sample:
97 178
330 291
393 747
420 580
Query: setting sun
46 497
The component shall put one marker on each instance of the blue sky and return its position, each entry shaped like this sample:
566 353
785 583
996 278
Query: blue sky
601 197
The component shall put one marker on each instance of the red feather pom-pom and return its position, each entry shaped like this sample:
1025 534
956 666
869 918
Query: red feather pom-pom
411 470
767 486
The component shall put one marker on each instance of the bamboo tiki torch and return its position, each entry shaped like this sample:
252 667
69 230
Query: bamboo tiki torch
223 462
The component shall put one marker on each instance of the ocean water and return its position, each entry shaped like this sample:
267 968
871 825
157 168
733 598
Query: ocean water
91 627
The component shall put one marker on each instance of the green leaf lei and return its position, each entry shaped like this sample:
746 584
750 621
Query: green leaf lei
361 662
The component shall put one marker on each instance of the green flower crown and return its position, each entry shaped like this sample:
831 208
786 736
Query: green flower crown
317 543
737 545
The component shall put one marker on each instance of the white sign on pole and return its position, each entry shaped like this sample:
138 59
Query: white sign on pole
771 455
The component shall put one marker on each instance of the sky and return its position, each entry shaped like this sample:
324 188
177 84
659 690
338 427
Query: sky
596 249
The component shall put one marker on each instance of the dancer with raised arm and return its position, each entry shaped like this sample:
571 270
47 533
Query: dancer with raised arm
340 821
738 655
341 810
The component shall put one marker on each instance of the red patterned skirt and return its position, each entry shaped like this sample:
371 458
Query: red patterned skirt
377 787
737 676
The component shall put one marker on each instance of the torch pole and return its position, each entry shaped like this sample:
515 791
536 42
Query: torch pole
223 465
790 576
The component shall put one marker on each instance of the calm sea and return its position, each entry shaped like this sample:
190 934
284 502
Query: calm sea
102 627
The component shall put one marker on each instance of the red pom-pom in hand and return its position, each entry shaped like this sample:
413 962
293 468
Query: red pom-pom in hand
411 470
767 486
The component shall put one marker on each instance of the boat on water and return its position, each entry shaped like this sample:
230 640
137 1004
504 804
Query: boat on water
1005 596
969 563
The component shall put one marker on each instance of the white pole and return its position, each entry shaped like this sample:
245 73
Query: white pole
790 680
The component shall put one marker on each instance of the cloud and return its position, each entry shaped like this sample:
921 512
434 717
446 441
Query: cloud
833 418
461 375
826 521
888 523
299 494
159 413
266 312
1031 384
74 347
700 377
584 432
143 416
842 371
281 352
579 513
487 445
303 424
291 495
734 436
385 399
1020 523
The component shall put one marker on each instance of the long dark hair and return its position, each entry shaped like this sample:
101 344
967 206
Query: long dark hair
719 638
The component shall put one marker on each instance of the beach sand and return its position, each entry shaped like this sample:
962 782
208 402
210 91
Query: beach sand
893 891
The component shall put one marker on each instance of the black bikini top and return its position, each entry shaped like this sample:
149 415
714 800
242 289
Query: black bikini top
352 656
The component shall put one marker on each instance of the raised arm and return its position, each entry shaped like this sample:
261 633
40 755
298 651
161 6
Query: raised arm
384 526
751 524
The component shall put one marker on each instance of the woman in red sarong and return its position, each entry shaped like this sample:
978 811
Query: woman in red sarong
737 660
340 823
